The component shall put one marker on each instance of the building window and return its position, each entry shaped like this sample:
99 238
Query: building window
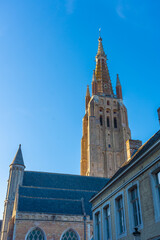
70 235
155 183
158 185
97 226
108 122
115 122
101 120
120 220
37 234
134 208
108 103
107 223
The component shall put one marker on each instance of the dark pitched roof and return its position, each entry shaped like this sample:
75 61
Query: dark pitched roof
0 225
62 181
57 193
18 159
55 201
133 159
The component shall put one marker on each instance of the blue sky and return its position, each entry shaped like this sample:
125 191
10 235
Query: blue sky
47 55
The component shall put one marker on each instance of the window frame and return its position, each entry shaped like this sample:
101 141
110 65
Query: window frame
94 224
117 226
66 230
133 185
31 229
155 194
107 204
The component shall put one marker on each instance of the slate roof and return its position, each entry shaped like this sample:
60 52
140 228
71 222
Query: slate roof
0 225
55 193
18 159
62 181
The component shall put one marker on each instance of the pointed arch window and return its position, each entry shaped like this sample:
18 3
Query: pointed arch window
101 120
70 235
108 122
115 122
36 234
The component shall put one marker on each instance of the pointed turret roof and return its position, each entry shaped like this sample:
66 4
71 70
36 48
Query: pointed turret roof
118 81
104 85
87 92
18 159
94 76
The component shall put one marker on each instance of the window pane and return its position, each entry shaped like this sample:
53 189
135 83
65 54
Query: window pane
107 222
69 235
120 212
97 218
158 177
36 234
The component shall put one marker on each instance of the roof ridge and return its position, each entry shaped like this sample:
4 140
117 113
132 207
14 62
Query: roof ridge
58 199
76 175
61 189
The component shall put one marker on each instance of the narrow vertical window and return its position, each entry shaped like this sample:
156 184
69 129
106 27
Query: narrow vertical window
101 120
155 183
115 122
135 207
108 123
97 226
107 223
158 185
120 215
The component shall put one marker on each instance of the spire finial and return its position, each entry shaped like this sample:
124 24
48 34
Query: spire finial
99 33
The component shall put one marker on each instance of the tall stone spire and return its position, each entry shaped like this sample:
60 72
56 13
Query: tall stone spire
104 86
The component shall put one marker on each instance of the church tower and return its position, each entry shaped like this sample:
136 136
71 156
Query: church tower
15 179
105 124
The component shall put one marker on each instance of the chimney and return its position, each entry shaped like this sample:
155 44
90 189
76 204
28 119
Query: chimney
158 110
132 146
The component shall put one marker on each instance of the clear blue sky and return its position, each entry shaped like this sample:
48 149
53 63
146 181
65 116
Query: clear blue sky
47 55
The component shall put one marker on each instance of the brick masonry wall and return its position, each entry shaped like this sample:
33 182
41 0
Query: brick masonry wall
53 226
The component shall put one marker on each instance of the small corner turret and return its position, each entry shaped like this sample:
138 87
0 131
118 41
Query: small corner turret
15 179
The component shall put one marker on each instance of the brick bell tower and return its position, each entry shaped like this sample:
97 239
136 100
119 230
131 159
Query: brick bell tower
105 123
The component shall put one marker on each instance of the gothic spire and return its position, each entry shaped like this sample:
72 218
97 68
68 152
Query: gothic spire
104 85
18 159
